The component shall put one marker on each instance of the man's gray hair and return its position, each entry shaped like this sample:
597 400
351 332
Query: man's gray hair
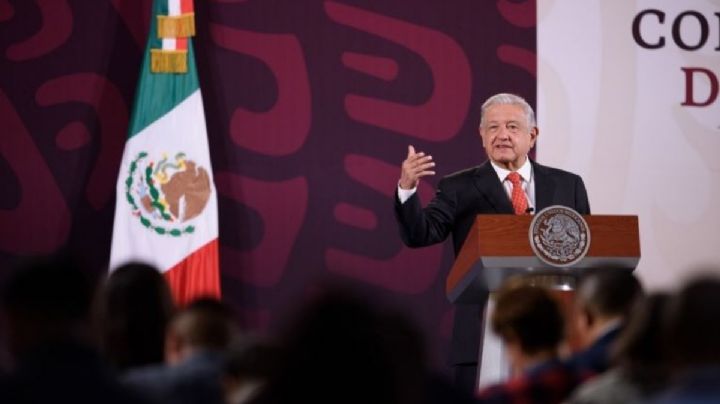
509 99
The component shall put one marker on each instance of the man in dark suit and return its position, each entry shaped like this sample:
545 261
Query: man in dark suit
509 182
602 304
196 343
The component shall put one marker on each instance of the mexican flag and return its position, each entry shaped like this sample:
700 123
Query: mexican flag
166 209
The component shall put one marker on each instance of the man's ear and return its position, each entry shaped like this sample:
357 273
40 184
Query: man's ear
534 133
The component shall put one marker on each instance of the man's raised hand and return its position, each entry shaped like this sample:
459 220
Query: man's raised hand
415 166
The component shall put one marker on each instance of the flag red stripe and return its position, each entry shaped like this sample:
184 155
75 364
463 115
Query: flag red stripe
196 276
181 43
186 6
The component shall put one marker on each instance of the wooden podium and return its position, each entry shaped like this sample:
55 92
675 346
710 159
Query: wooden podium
498 247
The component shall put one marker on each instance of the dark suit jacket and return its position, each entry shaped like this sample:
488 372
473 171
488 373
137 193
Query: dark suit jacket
458 199
197 379
595 359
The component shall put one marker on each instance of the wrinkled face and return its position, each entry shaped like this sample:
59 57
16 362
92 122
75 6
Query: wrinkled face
507 136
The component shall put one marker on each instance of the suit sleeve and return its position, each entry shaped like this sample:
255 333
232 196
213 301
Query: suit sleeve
422 227
582 205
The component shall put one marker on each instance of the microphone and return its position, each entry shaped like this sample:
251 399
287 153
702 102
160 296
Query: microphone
529 210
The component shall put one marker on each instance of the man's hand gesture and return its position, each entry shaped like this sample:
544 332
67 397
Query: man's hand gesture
415 166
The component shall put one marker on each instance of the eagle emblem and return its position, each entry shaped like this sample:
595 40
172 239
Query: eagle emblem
167 193
559 236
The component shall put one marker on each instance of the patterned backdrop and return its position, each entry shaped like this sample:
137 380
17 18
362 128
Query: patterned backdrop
310 106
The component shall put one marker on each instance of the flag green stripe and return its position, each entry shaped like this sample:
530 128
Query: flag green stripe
158 93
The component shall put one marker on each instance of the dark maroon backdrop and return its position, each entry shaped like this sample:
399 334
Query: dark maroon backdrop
310 106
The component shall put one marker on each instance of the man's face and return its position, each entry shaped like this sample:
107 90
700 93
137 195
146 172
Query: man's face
507 136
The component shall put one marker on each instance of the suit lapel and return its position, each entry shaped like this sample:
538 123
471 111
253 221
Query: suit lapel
490 188
544 187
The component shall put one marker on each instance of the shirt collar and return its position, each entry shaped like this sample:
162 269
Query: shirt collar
525 170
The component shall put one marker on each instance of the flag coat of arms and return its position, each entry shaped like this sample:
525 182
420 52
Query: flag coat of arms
166 209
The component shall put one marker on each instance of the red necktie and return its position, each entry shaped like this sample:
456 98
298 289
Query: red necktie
519 201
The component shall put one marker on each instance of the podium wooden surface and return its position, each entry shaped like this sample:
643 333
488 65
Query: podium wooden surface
498 247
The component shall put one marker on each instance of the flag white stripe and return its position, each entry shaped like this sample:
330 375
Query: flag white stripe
174 7
169 44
